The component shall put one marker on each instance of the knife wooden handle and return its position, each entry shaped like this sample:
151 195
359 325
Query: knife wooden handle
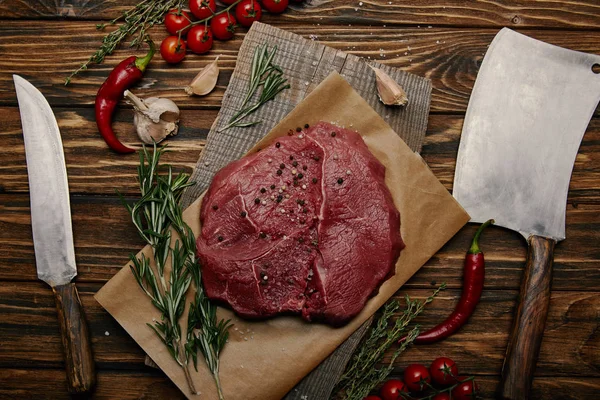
528 325
81 375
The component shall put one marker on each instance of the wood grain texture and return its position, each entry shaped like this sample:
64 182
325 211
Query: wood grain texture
450 57
522 13
94 170
79 362
529 321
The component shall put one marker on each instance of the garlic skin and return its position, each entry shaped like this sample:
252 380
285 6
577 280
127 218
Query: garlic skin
205 81
154 118
390 93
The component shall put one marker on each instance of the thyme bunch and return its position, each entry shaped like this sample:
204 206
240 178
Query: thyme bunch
262 73
153 215
361 376
136 21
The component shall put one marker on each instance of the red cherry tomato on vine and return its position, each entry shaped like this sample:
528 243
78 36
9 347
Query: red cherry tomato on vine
466 390
200 39
442 396
275 6
228 2
416 377
172 49
175 20
247 12
443 371
223 26
391 390
202 9
372 397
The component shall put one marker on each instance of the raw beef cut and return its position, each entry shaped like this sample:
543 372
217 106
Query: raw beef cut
306 225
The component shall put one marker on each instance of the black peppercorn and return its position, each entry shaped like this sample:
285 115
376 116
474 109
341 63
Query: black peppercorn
272 186
215 207
262 190
316 158
282 165
262 235
315 180
301 240
243 214
298 129
257 200
279 172
305 210
306 126
220 238
340 181
291 157
295 163
300 176
277 144
333 134
279 198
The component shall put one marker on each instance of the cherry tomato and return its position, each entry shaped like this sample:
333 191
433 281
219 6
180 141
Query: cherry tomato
223 26
275 6
200 39
228 2
202 9
172 49
442 396
372 398
416 377
465 390
391 390
247 12
177 19
443 371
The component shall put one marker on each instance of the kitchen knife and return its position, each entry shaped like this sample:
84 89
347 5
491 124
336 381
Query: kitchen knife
529 109
52 232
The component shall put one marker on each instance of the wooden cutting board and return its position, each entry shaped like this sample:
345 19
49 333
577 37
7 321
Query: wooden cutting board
306 63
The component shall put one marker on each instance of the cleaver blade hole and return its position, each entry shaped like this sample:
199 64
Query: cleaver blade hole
596 68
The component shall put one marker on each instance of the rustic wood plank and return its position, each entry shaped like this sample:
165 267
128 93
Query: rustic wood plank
524 13
30 333
93 169
100 222
153 385
450 57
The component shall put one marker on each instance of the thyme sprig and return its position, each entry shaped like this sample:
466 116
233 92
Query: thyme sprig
136 21
154 215
262 73
361 376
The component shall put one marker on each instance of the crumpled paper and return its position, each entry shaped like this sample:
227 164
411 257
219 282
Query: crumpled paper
265 359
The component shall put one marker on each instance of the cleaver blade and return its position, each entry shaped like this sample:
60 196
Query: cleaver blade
529 109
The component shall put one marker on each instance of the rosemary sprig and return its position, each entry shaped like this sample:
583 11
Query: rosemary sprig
154 215
361 376
136 21
262 73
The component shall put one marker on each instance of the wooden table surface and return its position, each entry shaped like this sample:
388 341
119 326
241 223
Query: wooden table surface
444 40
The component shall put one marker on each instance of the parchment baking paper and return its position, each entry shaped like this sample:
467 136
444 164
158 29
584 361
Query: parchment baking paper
264 360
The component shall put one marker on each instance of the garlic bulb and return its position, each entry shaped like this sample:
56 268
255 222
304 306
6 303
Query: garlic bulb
205 81
155 118
390 93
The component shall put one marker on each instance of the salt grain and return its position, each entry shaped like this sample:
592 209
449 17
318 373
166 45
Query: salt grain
107 333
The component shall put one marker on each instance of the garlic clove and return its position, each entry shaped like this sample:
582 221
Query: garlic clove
154 118
205 81
390 92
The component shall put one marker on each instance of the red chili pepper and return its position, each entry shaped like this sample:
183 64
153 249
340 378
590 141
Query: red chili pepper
122 77
474 273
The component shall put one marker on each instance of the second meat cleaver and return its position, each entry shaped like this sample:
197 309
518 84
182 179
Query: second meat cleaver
529 109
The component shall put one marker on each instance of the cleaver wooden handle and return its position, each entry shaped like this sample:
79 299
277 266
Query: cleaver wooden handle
528 325
79 363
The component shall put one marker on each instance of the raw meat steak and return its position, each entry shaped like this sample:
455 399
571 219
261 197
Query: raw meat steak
304 226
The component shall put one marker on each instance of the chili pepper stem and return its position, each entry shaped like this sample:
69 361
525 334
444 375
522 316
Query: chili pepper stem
474 249
143 62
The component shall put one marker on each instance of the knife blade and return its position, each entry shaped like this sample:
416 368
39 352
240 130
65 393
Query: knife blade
52 230
530 107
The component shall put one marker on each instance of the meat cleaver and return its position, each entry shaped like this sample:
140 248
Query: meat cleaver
529 109
52 232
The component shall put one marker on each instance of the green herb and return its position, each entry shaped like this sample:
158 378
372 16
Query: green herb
154 215
136 21
263 73
361 376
